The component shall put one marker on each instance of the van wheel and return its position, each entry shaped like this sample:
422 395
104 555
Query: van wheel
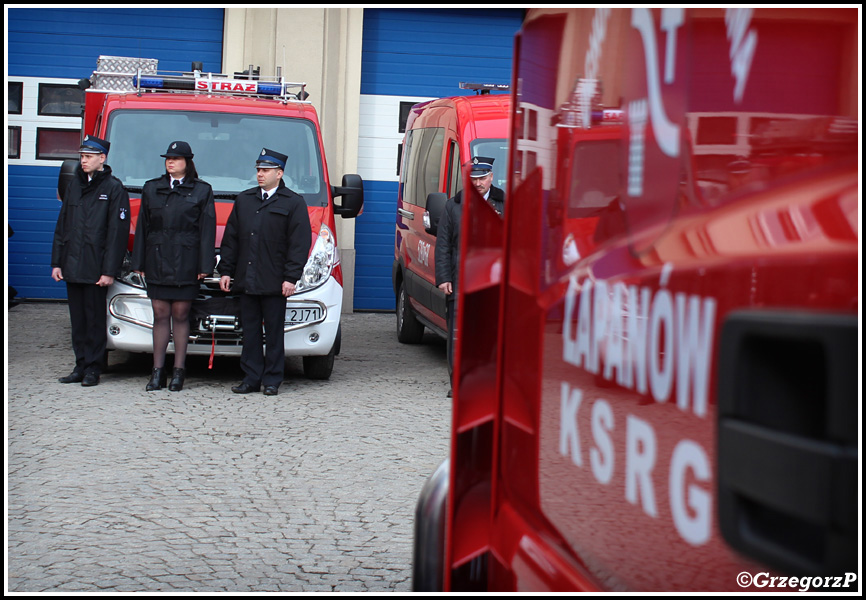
409 330
319 367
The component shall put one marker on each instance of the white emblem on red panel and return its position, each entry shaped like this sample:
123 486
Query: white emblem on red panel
743 43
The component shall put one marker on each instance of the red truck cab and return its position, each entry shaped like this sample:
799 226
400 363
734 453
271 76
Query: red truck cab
227 120
657 387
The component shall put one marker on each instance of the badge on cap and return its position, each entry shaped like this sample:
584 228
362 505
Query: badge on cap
481 166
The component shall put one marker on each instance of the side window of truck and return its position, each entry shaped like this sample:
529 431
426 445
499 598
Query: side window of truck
455 178
423 164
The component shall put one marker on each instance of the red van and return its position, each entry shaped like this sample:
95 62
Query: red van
227 120
657 387
441 136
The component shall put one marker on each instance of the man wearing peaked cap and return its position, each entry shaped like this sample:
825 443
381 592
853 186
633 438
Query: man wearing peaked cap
93 145
269 159
448 236
89 245
481 172
265 246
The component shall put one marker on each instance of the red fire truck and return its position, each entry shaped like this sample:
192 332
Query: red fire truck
227 120
656 381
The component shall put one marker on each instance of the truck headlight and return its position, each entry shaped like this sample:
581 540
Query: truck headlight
324 257
133 279
129 277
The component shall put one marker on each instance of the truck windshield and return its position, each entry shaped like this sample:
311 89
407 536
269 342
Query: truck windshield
497 149
225 146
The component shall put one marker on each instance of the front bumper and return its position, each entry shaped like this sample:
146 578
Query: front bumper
130 322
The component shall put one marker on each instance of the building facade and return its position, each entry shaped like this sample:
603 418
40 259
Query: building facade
363 69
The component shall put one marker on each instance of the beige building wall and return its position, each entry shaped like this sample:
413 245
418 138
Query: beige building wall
322 48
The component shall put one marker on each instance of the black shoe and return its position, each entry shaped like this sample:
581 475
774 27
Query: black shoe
74 377
271 390
90 379
176 384
157 379
245 388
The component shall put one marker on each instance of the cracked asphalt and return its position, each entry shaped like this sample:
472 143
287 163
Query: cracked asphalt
114 489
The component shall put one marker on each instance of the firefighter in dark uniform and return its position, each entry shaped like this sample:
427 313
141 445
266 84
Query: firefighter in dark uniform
448 237
174 245
89 245
264 248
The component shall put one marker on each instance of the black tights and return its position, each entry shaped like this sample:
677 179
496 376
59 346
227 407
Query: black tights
170 316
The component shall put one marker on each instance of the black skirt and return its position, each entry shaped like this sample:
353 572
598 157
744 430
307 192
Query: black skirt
172 292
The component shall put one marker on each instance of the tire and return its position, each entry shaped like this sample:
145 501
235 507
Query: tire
409 330
319 367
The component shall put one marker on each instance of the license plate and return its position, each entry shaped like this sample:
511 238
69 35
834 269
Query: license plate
304 314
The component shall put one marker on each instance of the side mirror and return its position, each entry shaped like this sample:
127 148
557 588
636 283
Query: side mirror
352 191
435 207
67 176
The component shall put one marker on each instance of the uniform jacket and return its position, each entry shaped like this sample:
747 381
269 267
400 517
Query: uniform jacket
266 243
448 237
176 232
93 228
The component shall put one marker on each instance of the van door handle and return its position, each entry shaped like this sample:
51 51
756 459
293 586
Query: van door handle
787 439
406 214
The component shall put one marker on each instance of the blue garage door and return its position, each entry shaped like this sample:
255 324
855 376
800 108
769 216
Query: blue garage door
49 49
412 55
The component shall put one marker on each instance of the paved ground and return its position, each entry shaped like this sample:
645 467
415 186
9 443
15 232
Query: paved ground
115 489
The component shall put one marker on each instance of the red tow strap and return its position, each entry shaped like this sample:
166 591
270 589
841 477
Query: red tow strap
212 347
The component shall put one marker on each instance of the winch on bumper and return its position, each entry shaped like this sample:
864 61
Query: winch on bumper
311 330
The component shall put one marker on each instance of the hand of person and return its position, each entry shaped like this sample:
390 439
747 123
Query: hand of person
105 281
225 283
288 289
202 275
56 274
446 287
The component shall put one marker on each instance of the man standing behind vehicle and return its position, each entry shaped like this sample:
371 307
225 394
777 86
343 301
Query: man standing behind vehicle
89 245
264 247
448 237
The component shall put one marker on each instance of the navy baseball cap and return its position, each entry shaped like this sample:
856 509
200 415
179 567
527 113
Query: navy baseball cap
93 145
178 149
269 159
481 166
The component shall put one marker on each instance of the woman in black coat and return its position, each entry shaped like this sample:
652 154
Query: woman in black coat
174 248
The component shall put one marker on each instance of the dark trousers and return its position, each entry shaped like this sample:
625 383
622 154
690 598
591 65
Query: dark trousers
263 368
88 318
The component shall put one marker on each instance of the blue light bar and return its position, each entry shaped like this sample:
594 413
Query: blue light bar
227 86
274 89
148 82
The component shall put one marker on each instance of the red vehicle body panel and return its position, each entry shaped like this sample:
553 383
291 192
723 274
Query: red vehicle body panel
614 428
